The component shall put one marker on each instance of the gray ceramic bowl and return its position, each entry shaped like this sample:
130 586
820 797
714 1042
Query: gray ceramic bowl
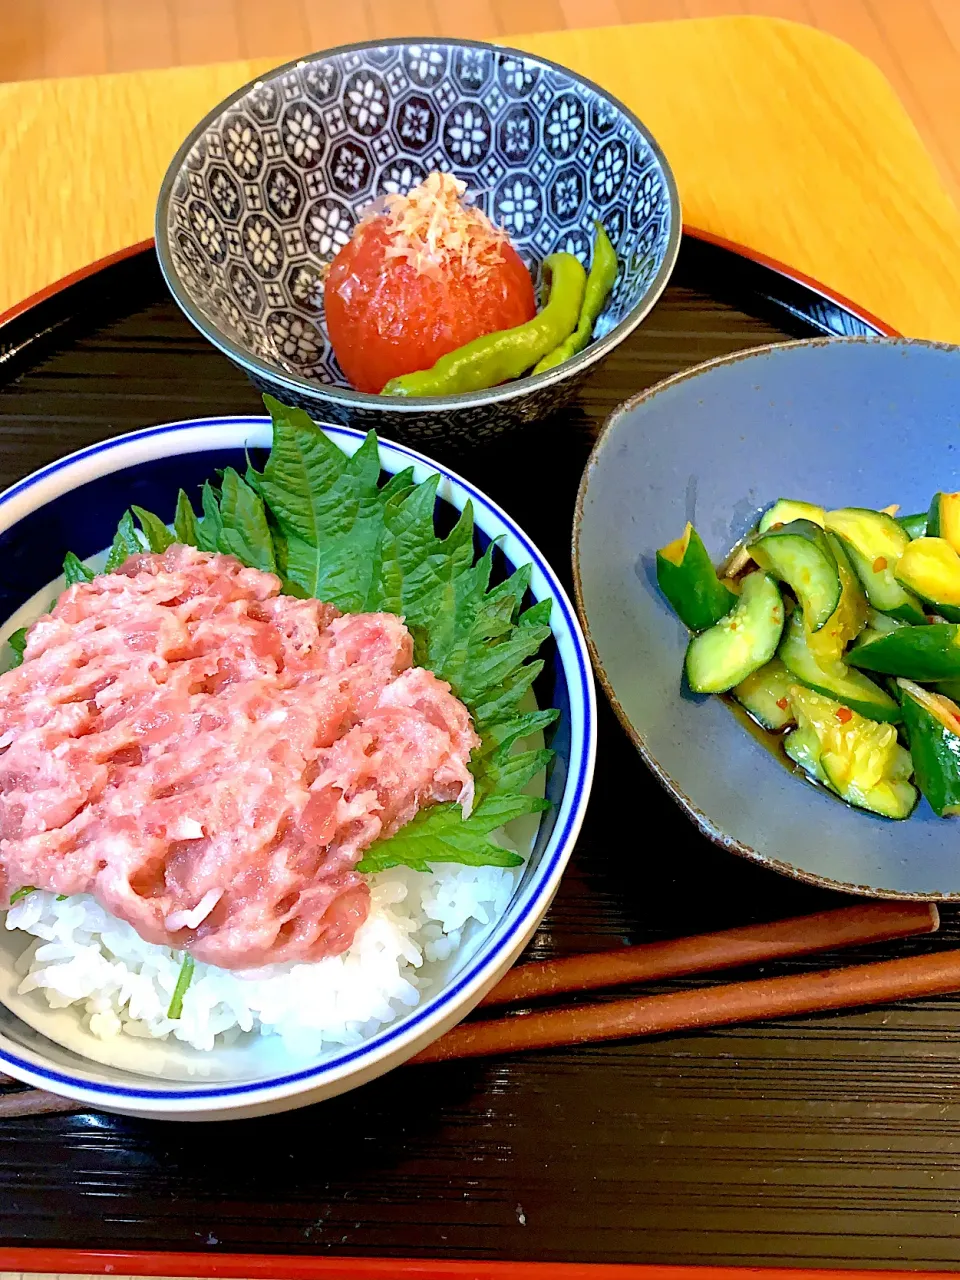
842 422
269 186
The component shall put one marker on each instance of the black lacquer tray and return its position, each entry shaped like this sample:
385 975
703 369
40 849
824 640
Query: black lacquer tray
826 1141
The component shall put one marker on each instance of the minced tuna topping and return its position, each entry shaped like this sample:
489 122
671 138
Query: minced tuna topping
210 758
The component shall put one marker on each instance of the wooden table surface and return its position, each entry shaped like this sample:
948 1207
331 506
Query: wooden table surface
782 138
915 43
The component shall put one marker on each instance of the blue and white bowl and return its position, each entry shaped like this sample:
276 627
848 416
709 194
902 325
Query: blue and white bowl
74 505
270 185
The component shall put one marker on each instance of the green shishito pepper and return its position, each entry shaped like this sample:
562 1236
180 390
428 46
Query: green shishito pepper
688 579
916 653
499 357
602 278
933 730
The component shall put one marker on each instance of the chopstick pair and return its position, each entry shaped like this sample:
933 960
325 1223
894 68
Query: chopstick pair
748 1001
701 1007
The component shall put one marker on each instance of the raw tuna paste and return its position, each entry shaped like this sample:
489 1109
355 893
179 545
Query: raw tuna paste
210 758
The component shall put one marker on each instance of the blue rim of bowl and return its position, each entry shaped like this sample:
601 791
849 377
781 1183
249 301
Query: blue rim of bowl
558 845
414 404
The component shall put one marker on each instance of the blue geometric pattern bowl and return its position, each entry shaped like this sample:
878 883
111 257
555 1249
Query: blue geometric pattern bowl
267 189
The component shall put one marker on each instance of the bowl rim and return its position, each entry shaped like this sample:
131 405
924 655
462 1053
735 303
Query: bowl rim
701 820
232 431
255 365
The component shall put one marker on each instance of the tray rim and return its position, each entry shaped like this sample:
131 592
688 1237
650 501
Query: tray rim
33 1260
256 1266
772 265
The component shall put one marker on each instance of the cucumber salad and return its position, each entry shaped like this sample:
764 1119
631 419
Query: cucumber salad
840 632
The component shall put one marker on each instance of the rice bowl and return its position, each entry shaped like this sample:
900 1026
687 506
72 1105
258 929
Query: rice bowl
90 981
434 942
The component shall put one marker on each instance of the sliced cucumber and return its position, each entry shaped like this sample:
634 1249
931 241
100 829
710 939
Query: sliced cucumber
878 626
916 653
688 579
893 796
882 624
799 554
914 526
803 748
740 643
861 760
785 511
930 568
943 518
874 541
849 617
765 695
834 679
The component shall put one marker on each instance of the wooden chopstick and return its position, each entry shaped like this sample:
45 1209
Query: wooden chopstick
855 986
36 1102
709 952
849 926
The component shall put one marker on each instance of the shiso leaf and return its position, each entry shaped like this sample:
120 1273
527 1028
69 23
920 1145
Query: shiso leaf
442 834
498 662
252 477
420 570
301 481
185 524
22 893
328 511
322 520
209 528
398 486
126 543
509 772
157 534
244 531
500 703
74 570
506 732
17 641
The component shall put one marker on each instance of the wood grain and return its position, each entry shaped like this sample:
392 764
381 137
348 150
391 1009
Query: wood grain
916 43
140 35
333 24
844 192
205 30
76 38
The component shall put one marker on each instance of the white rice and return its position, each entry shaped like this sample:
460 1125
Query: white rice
84 957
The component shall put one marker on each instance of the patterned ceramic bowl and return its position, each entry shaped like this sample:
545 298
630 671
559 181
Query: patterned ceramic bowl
270 185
